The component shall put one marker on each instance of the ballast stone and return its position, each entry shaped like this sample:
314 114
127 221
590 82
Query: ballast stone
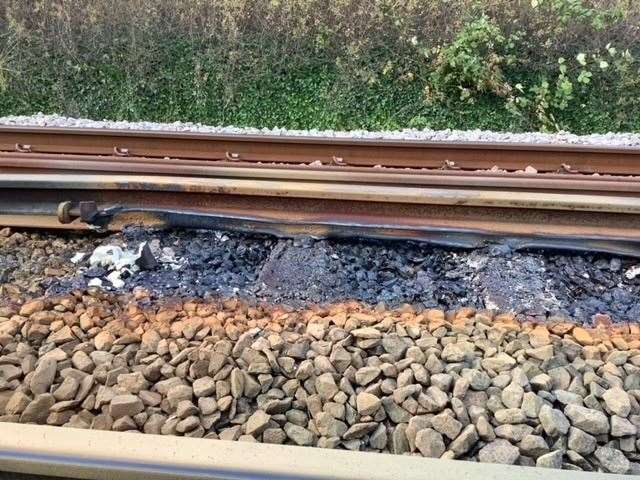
589 420
499 451
125 405
617 401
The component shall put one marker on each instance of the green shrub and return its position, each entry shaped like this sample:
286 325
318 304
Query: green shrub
473 63
499 64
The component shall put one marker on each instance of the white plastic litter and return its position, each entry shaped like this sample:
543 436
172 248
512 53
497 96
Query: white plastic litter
114 278
115 257
78 257
633 272
119 261
106 256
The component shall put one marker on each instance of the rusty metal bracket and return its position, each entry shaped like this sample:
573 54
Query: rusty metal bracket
98 217
567 169
121 151
449 165
87 211
64 212
23 148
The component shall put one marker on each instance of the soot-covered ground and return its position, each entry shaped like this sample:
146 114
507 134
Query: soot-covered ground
298 272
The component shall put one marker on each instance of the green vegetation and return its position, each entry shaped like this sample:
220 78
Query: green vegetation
344 64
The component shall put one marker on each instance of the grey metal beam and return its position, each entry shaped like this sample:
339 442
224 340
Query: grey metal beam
100 455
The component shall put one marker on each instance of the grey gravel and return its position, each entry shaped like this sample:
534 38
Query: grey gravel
348 376
612 460
430 443
499 451
553 421
589 420
581 442
617 401
550 460
43 376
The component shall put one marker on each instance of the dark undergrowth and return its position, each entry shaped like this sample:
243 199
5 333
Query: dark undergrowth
496 64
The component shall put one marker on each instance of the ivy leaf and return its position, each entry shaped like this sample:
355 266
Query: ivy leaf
582 59
584 77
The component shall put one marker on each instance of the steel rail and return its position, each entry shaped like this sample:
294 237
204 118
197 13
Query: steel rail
48 163
105 455
331 190
76 178
342 151
96 201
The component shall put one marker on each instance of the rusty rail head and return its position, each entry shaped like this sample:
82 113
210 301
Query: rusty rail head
51 163
328 151
518 198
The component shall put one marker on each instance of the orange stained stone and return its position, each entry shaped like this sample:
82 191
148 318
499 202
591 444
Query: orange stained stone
465 312
406 308
166 315
420 318
601 320
561 327
206 309
512 327
364 317
607 343
634 344
505 318
434 315
539 336
484 317
620 328
190 307
582 336
433 326
339 319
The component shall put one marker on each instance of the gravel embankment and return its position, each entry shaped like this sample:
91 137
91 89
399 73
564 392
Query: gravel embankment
467 385
612 139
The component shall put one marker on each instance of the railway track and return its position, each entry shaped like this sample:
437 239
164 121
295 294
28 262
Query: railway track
449 194
297 150
445 193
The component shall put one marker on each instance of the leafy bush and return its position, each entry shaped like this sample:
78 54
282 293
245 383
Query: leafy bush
473 63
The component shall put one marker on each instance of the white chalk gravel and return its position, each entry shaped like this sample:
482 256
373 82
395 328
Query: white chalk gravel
603 139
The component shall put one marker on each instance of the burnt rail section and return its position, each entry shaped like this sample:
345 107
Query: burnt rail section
460 218
328 151
103 179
